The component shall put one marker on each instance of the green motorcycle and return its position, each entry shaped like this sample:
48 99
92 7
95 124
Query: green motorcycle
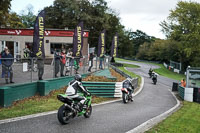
71 108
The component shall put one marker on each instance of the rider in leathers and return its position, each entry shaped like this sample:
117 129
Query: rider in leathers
75 87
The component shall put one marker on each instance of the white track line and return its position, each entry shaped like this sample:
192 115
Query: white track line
53 112
152 122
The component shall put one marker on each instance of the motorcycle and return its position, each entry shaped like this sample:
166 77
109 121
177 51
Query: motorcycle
154 78
150 73
127 92
71 108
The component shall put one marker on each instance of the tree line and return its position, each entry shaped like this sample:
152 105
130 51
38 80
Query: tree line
181 27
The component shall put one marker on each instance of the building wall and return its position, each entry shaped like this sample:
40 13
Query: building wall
23 39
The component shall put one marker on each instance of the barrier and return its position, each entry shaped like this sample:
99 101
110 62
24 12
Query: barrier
9 94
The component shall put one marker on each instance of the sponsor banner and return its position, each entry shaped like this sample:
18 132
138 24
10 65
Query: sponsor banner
114 46
38 35
78 40
29 32
101 44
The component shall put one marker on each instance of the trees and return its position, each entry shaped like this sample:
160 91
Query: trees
96 17
28 18
183 26
4 11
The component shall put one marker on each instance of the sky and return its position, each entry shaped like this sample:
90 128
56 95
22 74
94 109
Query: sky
144 15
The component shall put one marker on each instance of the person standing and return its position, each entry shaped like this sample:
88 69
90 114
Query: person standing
91 61
101 62
183 83
62 62
7 61
68 61
57 62
40 65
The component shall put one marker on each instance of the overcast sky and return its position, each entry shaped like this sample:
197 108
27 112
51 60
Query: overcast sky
144 15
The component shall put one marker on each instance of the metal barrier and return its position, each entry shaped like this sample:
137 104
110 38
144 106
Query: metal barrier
134 81
26 70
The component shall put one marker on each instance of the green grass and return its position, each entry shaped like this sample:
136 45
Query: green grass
161 71
185 120
133 75
38 104
131 65
167 73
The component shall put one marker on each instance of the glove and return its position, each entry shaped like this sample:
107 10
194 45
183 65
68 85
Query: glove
87 93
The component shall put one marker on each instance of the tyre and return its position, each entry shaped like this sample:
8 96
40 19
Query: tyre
63 115
125 97
88 112
154 82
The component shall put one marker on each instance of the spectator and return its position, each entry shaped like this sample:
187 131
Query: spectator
62 62
68 61
183 83
91 61
40 65
7 61
26 52
76 64
57 62
101 62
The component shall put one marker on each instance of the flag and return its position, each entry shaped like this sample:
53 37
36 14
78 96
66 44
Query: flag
78 40
101 44
38 35
114 46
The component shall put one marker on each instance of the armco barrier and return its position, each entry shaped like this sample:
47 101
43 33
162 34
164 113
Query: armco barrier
134 81
181 91
103 89
9 94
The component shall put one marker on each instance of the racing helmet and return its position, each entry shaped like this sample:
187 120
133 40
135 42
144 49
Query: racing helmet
78 77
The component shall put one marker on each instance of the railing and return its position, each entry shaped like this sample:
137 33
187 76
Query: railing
27 70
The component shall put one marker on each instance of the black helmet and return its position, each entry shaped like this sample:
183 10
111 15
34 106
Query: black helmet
78 77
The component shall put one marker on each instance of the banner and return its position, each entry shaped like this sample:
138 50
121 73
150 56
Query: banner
78 40
38 35
114 46
101 44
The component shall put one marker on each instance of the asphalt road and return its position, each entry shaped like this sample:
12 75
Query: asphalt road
109 118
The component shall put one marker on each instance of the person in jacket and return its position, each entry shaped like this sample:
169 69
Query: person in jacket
40 66
101 61
183 83
91 61
7 61
57 62
74 89
62 62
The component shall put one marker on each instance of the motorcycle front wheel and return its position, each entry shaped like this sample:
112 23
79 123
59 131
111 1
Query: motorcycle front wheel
125 97
63 115
88 112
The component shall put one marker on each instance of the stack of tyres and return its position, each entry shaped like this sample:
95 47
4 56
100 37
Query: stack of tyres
175 86
196 95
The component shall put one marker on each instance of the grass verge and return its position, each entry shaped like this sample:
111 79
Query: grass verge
133 75
161 71
39 104
167 73
185 120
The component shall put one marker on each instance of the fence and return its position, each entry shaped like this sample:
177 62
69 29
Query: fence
26 70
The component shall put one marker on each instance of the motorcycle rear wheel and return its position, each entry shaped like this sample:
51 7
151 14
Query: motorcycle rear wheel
88 112
63 115
125 97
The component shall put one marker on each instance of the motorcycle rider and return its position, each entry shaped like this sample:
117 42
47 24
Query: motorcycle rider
150 72
154 76
130 88
75 86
